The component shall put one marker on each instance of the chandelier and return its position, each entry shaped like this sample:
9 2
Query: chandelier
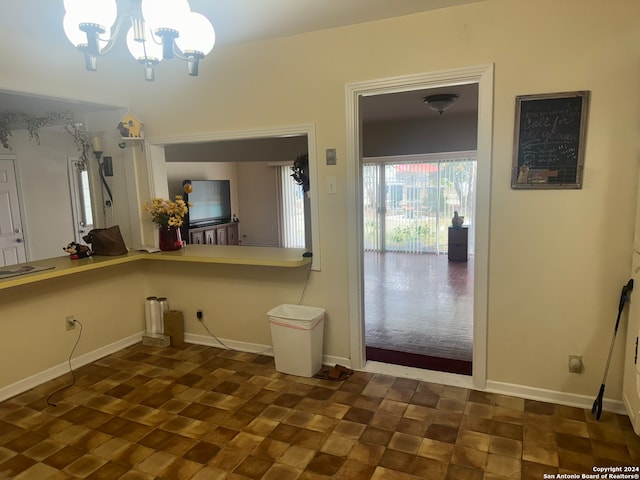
156 30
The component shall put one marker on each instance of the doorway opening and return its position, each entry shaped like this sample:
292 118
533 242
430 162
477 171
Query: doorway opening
481 77
418 288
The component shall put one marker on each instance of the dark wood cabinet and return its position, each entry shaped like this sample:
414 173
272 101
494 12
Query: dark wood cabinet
232 234
222 234
458 244
196 238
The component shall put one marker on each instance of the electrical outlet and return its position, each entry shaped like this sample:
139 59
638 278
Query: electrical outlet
70 322
200 315
575 364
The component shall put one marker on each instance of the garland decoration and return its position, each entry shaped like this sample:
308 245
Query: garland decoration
33 124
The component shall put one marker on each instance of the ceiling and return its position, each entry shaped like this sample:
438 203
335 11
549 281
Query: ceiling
409 105
240 21
37 104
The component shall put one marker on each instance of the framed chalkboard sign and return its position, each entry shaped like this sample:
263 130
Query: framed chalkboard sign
548 149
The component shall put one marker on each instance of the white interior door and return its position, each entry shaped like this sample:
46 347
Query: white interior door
631 381
12 248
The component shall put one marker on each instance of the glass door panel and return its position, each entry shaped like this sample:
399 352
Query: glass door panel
373 207
408 206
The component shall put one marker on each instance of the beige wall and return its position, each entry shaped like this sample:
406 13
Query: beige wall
109 303
235 299
557 259
449 133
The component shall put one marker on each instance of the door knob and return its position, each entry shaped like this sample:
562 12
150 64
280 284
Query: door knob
18 240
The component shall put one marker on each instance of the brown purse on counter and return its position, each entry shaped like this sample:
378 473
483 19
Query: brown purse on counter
106 241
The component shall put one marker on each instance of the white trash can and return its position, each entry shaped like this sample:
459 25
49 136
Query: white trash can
296 334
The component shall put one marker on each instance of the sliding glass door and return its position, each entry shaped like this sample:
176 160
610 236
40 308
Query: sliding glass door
409 201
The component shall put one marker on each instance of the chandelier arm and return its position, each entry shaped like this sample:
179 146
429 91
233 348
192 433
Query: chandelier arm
192 57
177 52
115 31
188 55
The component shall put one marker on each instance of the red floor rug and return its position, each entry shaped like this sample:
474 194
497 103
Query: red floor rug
425 362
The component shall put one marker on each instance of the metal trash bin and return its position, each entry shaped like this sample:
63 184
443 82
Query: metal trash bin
297 334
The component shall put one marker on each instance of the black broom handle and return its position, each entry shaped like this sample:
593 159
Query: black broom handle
624 296
626 290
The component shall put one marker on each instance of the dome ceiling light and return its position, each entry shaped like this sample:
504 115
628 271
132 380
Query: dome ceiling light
440 102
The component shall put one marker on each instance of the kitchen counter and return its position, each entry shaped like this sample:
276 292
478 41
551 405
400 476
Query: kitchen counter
216 254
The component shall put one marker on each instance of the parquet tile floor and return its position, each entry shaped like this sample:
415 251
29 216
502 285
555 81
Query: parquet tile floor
205 413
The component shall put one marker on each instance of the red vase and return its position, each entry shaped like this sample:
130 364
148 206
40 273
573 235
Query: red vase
170 238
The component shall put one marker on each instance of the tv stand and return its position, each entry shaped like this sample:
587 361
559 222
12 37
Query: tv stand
219 234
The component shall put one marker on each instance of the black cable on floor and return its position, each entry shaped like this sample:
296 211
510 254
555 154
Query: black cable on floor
70 368
266 349
306 281
227 346
216 338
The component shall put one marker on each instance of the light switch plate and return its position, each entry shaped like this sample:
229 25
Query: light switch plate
331 156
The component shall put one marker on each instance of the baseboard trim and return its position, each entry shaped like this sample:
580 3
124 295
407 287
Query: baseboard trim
226 344
521 391
553 396
260 349
39 378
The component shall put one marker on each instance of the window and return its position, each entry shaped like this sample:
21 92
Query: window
291 210
409 201
80 199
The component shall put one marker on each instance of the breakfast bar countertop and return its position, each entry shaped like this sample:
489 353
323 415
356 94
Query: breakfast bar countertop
237 255
221 254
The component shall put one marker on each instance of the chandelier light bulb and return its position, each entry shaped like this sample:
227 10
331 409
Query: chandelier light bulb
71 26
100 12
197 35
74 6
164 13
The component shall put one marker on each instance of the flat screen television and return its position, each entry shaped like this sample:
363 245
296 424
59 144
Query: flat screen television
211 202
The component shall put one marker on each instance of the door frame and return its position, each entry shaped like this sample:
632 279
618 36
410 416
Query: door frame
483 76
21 211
